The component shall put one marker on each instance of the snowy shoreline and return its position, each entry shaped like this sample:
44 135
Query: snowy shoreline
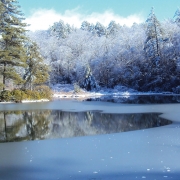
66 91
84 95
27 101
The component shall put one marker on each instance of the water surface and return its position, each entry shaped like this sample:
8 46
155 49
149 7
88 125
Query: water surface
45 124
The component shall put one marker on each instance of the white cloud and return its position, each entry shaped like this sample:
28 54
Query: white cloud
42 19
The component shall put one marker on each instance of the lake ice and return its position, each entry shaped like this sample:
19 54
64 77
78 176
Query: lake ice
142 154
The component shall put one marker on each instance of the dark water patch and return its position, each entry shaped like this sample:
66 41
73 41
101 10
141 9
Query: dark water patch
139 99
47 124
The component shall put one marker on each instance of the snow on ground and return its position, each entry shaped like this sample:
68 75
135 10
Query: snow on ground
41 100
145 154
66 91
27 101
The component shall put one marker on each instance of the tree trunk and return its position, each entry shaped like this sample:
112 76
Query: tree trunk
4 76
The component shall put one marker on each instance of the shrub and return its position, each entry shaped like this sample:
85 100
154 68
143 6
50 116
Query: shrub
5 95
28 94
35 95
77 88
32 95
18 95
44 92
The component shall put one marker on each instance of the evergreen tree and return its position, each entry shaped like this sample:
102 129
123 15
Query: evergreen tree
36 72
60 29
100 29
113 28
89 81
154 40
86 26
177 16
12 38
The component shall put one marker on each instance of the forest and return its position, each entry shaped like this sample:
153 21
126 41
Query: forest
144 57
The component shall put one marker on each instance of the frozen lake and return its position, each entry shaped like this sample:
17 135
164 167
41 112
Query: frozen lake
140 153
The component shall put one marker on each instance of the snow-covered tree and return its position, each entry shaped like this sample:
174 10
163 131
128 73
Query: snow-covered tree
113 28
60 29
177 16
154 41
99 29
86 26
89 80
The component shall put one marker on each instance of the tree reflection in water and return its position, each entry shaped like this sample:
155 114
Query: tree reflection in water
45 124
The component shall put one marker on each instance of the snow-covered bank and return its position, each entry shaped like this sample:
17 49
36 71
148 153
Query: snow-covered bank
66 91
29 101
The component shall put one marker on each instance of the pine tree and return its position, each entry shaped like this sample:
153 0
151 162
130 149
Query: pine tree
154 40
60 29
86 26
12 38
36 72
89 81
113 28
94 29
100 29
177 17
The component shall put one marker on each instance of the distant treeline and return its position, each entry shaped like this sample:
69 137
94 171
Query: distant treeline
145 57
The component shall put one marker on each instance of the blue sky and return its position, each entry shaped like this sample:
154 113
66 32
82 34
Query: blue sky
42 13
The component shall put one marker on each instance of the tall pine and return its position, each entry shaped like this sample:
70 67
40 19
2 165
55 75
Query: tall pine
12 39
